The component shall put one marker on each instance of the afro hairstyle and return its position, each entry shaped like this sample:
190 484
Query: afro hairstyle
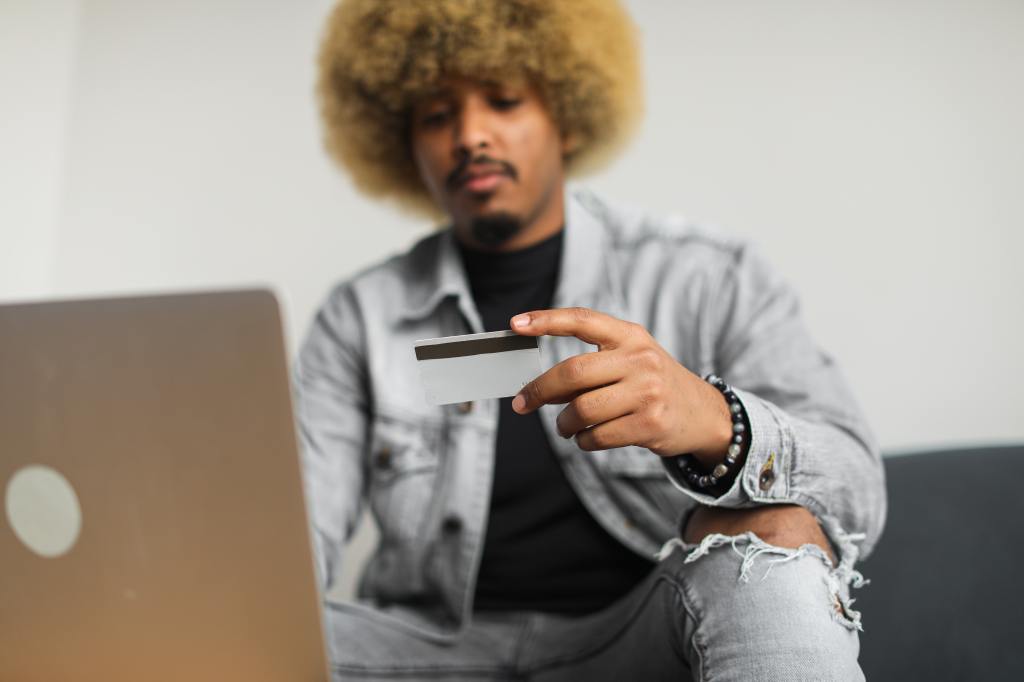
378 57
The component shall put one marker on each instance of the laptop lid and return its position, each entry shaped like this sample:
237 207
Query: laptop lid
153 525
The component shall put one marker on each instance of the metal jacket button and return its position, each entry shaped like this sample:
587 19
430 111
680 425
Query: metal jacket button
451 525
767 476
382 460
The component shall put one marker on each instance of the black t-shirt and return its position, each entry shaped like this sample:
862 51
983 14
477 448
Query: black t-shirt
543 550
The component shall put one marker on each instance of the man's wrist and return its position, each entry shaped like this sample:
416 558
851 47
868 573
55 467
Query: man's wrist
719 429
713 467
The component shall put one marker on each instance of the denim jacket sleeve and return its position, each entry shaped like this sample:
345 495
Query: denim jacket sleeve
810 443
333 420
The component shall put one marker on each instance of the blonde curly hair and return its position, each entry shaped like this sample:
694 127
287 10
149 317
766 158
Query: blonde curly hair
378 57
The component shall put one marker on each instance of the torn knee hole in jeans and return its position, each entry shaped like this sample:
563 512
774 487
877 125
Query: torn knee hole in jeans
845 615
842 612
755 548
835 578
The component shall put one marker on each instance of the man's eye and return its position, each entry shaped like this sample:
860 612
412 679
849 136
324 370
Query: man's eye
505 103
434 118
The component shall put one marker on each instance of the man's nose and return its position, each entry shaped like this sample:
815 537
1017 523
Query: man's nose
472 128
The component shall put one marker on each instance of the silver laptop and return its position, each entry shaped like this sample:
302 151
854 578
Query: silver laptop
153 525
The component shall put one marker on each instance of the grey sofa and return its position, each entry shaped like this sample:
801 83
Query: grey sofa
946 598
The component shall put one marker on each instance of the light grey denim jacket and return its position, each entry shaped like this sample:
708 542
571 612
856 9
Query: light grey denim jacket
368 435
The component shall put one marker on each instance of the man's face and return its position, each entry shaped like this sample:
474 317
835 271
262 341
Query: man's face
492 157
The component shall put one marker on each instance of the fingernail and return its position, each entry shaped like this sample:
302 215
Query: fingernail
519 402
521 321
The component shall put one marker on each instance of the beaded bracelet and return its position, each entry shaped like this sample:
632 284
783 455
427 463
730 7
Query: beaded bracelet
739 417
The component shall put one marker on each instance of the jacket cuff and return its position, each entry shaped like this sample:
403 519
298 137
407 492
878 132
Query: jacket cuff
766 473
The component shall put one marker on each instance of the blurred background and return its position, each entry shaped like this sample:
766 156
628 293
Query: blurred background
873 149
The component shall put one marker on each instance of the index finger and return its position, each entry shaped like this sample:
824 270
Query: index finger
591 326
570 378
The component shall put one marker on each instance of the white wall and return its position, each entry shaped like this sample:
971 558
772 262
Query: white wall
37 42
194 156
873 149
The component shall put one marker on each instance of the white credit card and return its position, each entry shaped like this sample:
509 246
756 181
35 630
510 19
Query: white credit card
457 369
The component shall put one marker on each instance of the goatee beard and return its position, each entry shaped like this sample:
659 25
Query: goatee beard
495 229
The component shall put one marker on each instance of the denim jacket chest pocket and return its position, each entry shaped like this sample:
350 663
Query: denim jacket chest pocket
637 477
403 472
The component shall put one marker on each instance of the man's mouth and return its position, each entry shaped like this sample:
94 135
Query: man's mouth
483 182
481 175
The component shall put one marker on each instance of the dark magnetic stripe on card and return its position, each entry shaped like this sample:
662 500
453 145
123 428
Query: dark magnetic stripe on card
460 349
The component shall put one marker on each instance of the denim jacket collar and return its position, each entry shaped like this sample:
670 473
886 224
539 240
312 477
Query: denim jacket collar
443 276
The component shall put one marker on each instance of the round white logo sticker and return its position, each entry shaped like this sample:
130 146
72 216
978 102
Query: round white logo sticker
43 510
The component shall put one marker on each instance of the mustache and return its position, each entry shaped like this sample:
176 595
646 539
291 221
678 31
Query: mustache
479 163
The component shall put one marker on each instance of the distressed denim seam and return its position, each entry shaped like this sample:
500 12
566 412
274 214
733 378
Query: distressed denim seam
700 647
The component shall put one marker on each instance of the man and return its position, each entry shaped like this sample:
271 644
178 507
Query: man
520 537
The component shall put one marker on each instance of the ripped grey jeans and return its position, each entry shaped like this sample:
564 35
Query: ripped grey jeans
730 608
